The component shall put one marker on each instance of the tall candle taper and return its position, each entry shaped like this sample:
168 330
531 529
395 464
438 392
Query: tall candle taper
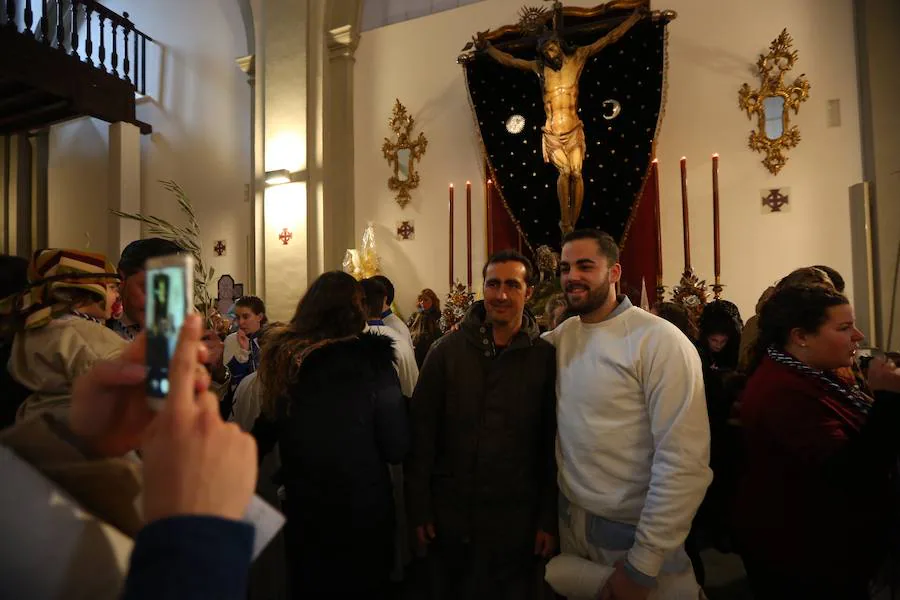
660 289
654 167
469 234
684 216
717 270
451 235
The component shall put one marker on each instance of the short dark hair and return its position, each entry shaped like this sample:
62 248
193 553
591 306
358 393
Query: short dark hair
677 315
834 276
510 255
388 287
606 245
375 294
137 252
254 303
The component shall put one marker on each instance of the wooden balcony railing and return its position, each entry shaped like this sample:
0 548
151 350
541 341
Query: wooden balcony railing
85 30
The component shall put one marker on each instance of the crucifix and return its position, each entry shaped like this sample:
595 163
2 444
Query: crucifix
558 66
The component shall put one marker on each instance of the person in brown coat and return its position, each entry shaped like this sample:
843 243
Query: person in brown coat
481 478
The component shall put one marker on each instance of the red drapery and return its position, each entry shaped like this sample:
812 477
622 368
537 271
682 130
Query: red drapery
639 256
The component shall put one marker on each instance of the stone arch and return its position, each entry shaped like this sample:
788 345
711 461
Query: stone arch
246 9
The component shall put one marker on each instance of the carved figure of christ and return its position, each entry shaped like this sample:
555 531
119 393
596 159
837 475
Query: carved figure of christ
563 133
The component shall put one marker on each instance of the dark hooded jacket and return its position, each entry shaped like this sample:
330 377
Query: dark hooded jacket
344 420
482 466
720 316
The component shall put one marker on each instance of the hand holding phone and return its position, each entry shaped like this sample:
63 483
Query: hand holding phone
169 301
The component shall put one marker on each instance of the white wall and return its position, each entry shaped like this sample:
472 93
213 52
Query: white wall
199 108
712 49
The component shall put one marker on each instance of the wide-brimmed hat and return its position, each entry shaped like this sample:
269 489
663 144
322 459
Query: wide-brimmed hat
55 269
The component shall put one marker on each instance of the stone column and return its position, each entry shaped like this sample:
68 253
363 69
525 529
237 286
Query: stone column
339 160
124 186
19 190
284 82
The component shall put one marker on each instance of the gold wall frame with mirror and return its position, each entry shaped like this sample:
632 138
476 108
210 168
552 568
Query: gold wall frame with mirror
402 153
773 101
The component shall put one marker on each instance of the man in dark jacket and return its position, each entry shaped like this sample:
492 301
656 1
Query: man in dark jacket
481 478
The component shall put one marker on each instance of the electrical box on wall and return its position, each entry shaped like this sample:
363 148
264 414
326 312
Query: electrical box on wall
834 113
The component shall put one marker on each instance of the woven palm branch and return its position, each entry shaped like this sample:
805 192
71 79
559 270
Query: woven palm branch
187 237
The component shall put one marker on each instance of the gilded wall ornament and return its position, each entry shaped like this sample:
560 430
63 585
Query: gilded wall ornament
772 102
403 153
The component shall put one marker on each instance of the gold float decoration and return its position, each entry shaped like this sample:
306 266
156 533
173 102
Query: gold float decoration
363 263
772 102
691 293
403 153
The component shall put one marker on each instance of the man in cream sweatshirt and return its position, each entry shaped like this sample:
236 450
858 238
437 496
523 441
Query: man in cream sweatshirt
633 445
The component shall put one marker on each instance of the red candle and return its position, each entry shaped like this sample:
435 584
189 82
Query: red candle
654 168
715 180
451 235
469 234
684 216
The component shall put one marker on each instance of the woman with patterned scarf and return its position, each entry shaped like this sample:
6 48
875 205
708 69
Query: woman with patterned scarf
60 319
815 501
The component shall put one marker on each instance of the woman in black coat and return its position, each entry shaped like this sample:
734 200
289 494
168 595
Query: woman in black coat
332 401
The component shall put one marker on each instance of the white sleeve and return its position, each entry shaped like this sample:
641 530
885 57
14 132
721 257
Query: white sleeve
672 380
233 349
407 369
246 405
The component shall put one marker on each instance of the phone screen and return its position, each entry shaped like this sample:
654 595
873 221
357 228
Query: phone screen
166 308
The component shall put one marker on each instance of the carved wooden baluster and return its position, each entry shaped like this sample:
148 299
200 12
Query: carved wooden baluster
74 47
29 15
45 22
125 63
60 29
102 54
11 13
88 44
143 64
115 44
136 61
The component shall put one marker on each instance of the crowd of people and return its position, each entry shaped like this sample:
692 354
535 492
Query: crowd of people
597 449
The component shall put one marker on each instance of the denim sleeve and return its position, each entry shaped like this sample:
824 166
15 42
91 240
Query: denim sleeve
190 557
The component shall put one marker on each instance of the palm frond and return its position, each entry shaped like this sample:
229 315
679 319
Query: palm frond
186 237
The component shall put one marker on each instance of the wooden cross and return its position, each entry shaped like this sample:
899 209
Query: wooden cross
285 236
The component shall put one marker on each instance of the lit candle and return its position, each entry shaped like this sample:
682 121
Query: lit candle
654 167
715 180
451 235
469 234
684 216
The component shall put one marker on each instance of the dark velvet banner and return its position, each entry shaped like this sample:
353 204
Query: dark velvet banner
618 150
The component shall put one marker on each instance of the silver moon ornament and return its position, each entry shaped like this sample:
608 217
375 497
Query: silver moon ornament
612 108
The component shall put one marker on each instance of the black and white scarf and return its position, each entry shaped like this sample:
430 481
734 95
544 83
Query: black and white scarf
852 395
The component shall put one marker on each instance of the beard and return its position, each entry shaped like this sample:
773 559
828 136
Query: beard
554 63
594 299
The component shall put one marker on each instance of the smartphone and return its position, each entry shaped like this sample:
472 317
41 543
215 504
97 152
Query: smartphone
170 298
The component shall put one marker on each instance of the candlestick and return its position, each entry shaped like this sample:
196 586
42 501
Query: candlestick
717 270
469 234
684 216
451 235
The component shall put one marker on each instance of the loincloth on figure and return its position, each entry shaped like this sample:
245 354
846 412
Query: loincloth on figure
568 141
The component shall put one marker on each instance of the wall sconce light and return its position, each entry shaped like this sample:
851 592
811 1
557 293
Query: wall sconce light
278 177
285 236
